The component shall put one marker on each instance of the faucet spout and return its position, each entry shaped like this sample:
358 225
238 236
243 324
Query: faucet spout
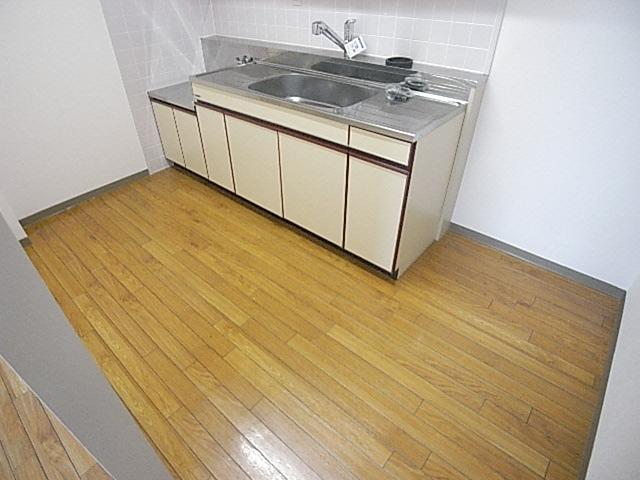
320 28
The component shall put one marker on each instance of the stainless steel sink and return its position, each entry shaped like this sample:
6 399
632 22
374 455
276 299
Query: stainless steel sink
313 91
372 73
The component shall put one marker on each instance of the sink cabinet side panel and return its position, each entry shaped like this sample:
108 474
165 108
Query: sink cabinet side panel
216 149
432 165
256 164
168 133
464 147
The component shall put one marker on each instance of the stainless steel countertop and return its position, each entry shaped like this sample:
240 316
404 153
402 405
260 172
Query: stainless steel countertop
407 121
180 95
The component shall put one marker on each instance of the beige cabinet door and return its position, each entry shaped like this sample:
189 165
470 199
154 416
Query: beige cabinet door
255 163
374 206
189 134
168 132
216 150
313 185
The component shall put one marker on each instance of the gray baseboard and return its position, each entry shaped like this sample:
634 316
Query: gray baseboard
60 207
566 272
595 421
25 242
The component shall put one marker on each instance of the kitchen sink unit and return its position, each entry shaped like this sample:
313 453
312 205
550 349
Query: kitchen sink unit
316 142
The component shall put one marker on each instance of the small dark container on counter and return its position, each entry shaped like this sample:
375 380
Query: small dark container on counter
399 62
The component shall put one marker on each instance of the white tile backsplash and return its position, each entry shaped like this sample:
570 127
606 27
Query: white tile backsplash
397 27
157 43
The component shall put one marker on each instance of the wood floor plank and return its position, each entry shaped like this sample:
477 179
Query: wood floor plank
30 470
413 343
75 316
557 472
215 299
366 328
278 453
310 396
386 384
79 238
464 349
529 457
96 473
156 332
50 451
347 452
561 374
165 438
140 371
155 289
205 447
438 469
13 436
245 350
553 430
400 469
5 467
360 410
541 280
565 453
239 448
80 457
319 459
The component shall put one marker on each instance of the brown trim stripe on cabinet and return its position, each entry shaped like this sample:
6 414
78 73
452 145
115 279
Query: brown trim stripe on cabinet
204 155
367 157
346 201
280 176
174 106
226 135
381 162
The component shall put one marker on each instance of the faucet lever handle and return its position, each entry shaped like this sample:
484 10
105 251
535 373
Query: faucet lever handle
348 29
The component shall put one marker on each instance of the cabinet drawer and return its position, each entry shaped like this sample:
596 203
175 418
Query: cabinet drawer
380 146
302 122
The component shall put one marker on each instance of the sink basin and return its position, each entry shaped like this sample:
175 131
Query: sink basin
373 73
314 91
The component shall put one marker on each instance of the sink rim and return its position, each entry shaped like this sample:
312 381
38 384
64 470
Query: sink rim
363 92
399 74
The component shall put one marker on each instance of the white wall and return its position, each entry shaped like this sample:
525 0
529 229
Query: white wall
7 212
66 127
615 452
555 164
157 43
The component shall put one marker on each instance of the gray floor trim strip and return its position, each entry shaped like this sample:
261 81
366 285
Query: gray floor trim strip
48 212
588 446
566 272
25 242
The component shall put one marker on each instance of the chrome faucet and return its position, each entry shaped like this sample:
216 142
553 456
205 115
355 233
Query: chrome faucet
319 27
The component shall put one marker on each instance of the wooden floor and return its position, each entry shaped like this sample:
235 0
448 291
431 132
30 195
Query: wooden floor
34 444
246 351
